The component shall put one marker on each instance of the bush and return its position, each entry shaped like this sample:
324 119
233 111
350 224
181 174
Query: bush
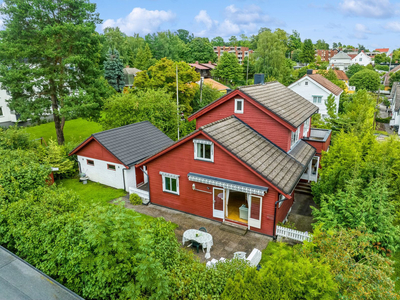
365 79
383 120
135 199
382 67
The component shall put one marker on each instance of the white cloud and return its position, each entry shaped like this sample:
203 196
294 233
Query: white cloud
141 20
237 21
369 8
393 26
360 31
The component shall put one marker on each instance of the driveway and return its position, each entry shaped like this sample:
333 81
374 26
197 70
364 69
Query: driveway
225 243
301 214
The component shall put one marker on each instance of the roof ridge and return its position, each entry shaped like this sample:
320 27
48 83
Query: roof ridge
108 130
218 121
257 84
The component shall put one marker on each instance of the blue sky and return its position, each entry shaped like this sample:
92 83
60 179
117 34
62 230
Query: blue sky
373 23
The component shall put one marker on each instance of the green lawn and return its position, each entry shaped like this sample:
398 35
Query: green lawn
92 192
74 130
396 275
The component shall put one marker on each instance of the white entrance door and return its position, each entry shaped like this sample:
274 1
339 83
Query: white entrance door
255 207
218 202
314 168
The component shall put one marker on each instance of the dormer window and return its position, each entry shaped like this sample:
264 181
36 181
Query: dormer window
203 150
239 106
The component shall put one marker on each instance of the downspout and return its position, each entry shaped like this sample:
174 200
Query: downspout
274 232
148 184
123 176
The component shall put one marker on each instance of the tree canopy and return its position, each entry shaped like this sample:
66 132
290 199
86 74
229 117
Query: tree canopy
365 79
201 50
307 52
228 68
113 70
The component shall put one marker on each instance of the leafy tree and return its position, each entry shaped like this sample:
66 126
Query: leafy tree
228 68
394 77
244 41
331 108
353 69
156 106
294 42
396 55
184 35
201 50
218 41
209 94
144 58
359 271
362 48
163 75
270 54
321 45
113 70
340 45
49 60
307 52
296 54
15 138
381 58
57 157
334 45
249 66
233 41
165 44
365 79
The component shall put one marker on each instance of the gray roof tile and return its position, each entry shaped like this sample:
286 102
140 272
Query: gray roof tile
280 168
282 101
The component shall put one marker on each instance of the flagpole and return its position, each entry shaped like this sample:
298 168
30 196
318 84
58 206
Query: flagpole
177 98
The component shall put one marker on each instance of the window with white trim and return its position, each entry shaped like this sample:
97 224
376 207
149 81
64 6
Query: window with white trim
306 127
317 99
239 106
170 183
295 137
203 150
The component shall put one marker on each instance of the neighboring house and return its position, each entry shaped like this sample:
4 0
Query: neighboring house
395 104
7 117
129 75
341 75
386 77
382 50
326 54
316 89
340 61
243 162
110 157
361 59
239 51
210 65
202 69
216 85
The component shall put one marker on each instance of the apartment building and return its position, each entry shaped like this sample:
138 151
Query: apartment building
239 51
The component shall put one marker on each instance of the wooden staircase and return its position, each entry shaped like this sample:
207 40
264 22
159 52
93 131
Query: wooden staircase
303 187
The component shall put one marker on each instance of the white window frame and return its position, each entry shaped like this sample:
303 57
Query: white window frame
170 176
306 127
316 97
296 134
236 110
203 142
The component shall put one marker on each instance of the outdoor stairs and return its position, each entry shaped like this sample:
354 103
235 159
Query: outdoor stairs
233 228
303 187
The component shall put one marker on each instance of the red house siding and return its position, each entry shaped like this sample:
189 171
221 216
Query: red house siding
252 116
139 175
95 150
320 145
180 161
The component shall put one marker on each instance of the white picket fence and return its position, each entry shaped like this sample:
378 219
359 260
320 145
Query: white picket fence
293 234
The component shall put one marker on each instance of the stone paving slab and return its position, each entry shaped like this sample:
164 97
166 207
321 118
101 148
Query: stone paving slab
225 243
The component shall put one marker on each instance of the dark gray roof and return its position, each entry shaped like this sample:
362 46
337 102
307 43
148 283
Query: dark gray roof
133 143
303 152
282 101
396 98
319 134
21 281
339 55
270 161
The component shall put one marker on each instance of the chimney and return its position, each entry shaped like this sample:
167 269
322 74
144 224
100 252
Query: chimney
197 62
309 71
210 62
259 78
127 66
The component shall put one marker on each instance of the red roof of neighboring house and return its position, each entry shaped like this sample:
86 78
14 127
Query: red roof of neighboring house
199 66
383 50
341 75
352 55
209 65
215 84
329 85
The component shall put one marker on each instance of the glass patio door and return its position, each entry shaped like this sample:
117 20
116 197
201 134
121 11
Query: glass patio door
218 202
255 208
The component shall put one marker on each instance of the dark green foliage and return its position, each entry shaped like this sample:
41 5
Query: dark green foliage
165 44
60 41
383 120
365 79
307 52
218 41
321 45
209 94
113 70
381 58
353 69
155 106
394 77
135 199
144 58
184 35
199 49
382 67
15 138
296 54
228 69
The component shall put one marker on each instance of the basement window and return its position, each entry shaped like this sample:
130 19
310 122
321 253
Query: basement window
239 106
203 150
170 183
90 162
111 167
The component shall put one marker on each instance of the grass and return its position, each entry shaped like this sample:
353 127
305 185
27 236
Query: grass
92 192
74 130
396 275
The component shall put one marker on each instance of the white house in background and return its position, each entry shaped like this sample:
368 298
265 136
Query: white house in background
395 104
7 117
341 61
110 157
361 59
316 89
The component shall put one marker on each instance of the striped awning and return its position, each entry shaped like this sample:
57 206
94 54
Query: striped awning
229 184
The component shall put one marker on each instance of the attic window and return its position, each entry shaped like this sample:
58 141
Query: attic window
306 83
111 167
90 162
203 150
239 106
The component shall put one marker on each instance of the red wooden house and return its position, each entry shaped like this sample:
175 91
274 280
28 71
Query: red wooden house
243 162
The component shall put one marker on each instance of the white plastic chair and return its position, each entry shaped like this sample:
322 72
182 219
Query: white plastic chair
239 255
254 258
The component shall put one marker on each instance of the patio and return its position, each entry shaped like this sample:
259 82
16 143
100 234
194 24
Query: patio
225 243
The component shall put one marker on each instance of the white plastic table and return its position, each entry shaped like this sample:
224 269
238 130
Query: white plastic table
203 238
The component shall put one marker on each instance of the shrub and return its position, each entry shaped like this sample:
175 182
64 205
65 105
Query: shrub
382 67
135 199
383 120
